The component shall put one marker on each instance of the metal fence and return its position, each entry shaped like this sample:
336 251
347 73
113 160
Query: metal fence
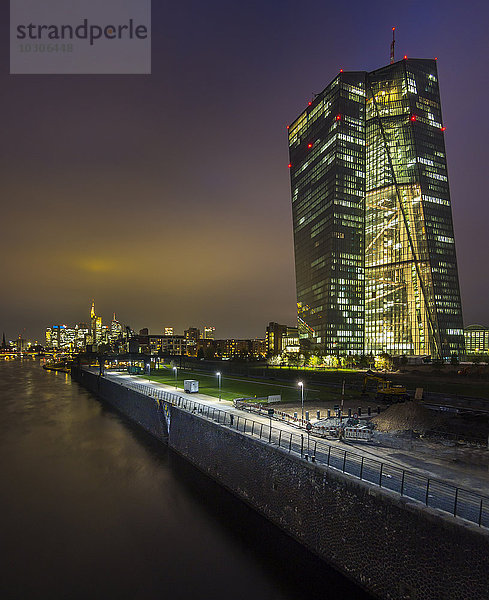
434 493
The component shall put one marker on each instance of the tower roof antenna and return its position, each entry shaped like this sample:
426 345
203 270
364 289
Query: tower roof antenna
393 43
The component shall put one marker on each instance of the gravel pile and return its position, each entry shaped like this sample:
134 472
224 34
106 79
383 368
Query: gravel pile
407 416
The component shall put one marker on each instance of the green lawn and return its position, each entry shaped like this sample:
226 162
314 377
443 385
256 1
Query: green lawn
235 387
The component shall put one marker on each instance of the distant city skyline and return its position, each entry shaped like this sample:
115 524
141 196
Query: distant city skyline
168 196
94 319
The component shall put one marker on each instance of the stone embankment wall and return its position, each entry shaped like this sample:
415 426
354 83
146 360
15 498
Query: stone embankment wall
138 407
393 547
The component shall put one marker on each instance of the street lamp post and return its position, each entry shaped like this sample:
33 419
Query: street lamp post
219 382
301 385
175 369
342 401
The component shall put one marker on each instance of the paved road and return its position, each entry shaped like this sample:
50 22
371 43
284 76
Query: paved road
434 493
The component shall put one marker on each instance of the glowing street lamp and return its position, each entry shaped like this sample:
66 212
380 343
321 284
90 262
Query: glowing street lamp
301 385
175 369
219 382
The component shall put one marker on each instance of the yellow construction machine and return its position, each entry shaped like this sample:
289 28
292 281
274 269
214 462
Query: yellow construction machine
386 391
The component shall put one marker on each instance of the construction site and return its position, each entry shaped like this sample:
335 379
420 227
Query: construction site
451 444
433 419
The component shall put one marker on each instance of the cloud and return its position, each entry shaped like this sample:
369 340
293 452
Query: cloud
97 265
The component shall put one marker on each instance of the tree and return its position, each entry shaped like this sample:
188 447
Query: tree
293 359
314 361
384 361
363 361
332 361
209 353
274 360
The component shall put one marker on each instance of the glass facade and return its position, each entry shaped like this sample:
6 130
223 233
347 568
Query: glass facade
375 252
327 166
412 293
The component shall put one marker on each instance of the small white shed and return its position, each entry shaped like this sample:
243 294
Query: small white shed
190 385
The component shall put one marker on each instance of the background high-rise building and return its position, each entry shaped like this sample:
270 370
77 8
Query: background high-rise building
116 329
209 332
49 338
192 335
281 338
82 334
375 252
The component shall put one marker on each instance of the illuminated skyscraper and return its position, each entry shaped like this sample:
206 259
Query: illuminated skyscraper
99 331
115 329
82 334
50 338
375 254
327 169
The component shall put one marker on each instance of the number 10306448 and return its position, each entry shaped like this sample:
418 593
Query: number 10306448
42 48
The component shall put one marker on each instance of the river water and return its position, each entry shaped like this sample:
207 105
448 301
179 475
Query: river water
90 507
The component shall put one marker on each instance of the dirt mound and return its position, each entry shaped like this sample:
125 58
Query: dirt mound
407 416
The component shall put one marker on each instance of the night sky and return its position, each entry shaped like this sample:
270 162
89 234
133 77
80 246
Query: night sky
166 198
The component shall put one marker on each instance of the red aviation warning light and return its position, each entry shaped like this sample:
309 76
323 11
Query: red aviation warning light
341 70
309 145
443 128
309 103
405 57
338 117
413 118
289 165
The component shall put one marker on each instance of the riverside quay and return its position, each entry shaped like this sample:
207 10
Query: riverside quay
395 532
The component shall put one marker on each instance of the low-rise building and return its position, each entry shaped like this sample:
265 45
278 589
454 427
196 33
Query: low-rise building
476 339
232 348
175 345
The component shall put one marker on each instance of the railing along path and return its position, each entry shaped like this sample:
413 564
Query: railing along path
434 493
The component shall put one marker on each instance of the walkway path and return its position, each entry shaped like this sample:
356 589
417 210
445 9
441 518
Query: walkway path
366 462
